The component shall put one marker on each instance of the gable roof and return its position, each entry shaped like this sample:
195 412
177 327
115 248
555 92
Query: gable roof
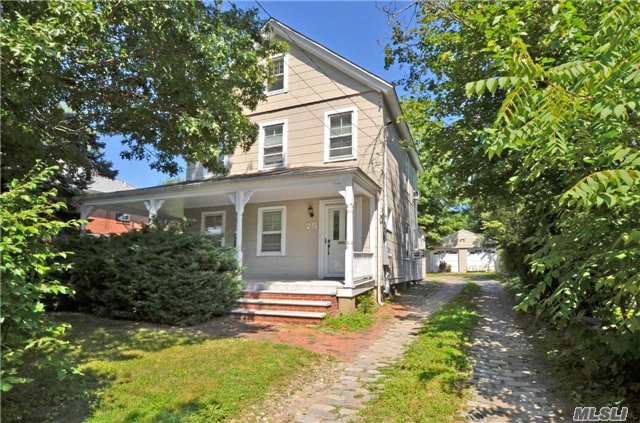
104 184
353 70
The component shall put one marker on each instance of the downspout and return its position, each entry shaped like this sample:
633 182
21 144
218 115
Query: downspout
384 223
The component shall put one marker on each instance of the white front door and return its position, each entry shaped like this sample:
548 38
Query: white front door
335 240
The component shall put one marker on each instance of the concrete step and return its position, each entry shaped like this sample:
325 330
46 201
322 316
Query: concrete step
285 316
274 301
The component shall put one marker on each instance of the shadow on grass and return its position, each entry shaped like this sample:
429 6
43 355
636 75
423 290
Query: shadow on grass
71 396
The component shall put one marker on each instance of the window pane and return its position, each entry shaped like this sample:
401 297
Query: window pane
273 145
271 221
271 242
213 227
340 142
273 160
336 225
276 79
340 152
340 135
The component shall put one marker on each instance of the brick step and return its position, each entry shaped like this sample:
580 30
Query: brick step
280 304
284 316
275 295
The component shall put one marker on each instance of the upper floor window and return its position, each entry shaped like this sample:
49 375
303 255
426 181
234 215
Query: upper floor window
273 145
341 132
278 75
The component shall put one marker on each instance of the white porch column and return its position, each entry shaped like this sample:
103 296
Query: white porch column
239 200
373 234
85 212
347 193
153 207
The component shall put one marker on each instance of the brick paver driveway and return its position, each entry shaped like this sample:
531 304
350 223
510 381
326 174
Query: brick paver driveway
509 382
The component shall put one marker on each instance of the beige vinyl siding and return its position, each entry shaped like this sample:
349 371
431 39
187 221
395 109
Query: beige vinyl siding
401 203
306 135
301 258
310 79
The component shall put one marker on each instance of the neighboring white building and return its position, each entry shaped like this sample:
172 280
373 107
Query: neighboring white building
464 251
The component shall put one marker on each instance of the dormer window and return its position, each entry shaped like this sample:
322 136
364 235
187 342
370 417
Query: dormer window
278 75
273 145
341 130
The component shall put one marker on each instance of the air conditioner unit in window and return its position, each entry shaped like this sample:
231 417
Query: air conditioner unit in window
123 217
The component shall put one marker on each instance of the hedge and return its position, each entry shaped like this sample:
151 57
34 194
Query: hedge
160 275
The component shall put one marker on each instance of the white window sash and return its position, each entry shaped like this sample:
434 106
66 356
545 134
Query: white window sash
285 75
261 145
203 217
328 137
282 231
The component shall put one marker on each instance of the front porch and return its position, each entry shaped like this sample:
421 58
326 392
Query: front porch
301 231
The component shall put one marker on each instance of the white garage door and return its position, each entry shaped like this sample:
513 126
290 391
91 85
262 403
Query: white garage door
481 261
449 257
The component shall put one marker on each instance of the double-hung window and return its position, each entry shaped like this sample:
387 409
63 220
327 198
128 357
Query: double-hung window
213 225
340 135
273 145
278 75
271 231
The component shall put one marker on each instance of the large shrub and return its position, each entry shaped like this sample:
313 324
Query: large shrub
162 275
29 226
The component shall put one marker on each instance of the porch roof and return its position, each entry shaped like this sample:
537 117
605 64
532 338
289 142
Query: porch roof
298 179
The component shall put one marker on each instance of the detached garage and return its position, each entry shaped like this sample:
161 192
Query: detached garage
463 251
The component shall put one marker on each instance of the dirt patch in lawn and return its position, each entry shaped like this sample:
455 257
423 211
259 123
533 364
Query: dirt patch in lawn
341 345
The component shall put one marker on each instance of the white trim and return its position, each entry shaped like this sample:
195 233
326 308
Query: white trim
215 213
283 232
285 124
322 228
354 134
285 81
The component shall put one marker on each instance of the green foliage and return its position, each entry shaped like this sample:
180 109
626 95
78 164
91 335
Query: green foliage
427 385
161 275
360 319
442 208
29 226
167 77
543 136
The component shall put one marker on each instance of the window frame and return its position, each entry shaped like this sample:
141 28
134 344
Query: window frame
285 75
285 125
283 232
354 134
222 213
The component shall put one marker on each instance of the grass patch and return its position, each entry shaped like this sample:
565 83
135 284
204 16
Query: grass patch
428 384
137 373
362 318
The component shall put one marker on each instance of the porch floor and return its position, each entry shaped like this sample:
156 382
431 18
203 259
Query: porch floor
307 286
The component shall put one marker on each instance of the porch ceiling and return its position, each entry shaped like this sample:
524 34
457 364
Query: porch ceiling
266 187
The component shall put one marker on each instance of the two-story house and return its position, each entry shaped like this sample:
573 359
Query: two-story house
322 208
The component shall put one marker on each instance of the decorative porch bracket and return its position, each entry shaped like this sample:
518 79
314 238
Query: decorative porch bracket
347 193
239 199
153 207
85 212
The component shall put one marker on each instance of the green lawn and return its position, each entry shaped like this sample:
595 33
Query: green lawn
428 384
138 373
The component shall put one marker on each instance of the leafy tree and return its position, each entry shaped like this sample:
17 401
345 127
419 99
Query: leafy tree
577 121
545 143
441 208
170 78
28 262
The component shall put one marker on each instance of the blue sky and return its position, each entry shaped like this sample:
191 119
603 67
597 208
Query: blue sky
357 30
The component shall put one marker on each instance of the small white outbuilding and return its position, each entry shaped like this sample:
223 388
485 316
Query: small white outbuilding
464 251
